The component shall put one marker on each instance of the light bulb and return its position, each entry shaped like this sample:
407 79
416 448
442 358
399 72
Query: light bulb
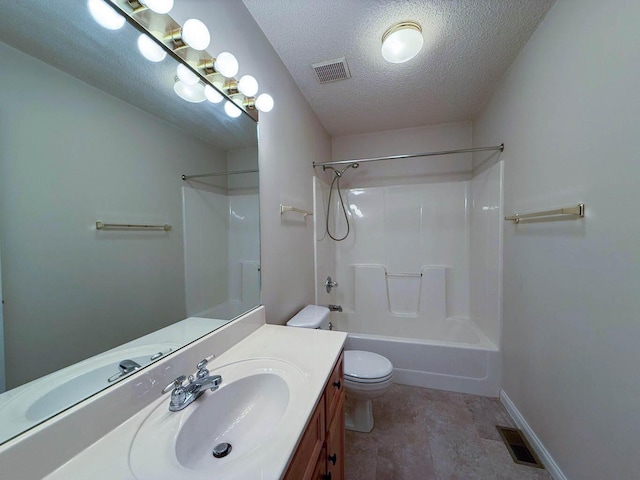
212 94
248 85
232 109
105 15
264 102
150 49
158 6
186 75
226 64
195 34
402 42
190 93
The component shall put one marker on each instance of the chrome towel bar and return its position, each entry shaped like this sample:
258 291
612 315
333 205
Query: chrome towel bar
288 208
403 274
570 212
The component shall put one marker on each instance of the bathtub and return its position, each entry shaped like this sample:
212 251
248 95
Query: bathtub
461 360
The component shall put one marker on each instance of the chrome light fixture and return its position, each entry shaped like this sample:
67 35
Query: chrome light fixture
402 41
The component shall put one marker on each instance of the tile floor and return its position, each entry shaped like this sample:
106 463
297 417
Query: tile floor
423 434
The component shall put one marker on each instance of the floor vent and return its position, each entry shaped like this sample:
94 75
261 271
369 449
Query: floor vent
518 447
332 70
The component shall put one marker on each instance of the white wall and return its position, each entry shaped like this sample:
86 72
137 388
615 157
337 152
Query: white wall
2 375
66 161
448 136
568 112
291 138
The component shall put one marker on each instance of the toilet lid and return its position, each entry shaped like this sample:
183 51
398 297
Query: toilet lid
366 365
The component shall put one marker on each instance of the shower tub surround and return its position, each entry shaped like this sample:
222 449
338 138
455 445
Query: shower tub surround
419 278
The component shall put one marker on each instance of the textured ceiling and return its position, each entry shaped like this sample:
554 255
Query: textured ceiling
469 44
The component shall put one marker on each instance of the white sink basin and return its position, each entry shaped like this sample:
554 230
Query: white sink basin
35 401
250 411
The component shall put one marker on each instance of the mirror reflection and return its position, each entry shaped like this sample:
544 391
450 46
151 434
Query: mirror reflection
92 135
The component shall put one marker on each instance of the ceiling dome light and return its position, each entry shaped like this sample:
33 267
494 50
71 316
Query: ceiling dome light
232 109
212 94
158 6
186 75
248 85
401 42
190 93
105 15
196 34
150 49
226 64
264 102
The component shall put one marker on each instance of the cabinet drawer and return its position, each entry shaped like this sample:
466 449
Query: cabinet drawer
303 465
335 388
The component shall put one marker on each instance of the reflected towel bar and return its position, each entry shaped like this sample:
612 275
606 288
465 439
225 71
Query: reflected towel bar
124 226
219 174
288 208
572 212
403 274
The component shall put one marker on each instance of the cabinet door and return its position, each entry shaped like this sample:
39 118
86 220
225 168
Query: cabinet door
334 388
335 444
319 473
303 465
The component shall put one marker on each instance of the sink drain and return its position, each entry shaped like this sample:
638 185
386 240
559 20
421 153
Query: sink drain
222 450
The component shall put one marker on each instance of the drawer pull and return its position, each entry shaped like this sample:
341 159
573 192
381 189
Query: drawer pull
333 458
337 384
326 476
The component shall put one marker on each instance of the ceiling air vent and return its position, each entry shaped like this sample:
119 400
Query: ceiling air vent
332 70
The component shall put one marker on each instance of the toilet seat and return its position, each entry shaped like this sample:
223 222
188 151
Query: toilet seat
366 367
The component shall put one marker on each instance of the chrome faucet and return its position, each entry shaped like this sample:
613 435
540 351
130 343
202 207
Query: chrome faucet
329 284
125 367
183 395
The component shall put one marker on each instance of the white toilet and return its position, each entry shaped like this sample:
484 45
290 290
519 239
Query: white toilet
367 375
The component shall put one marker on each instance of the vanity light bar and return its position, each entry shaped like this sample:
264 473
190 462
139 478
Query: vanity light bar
186 44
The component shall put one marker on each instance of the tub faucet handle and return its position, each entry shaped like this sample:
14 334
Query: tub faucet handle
329 284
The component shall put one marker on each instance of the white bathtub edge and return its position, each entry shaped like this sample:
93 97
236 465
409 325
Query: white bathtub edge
548 461
487 387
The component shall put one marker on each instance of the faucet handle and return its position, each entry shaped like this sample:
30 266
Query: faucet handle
202 368
177 383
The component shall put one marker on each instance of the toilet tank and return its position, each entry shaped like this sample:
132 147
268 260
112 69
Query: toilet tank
311 316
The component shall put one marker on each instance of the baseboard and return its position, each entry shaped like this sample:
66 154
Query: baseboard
536 444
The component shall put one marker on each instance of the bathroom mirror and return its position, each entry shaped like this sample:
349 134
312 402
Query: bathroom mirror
93 134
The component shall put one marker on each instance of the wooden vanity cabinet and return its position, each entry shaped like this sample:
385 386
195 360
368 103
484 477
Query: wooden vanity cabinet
320 453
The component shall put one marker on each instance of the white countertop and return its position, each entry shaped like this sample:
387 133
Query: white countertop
314 352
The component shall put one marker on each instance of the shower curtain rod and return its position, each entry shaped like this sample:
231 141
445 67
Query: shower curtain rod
413 155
